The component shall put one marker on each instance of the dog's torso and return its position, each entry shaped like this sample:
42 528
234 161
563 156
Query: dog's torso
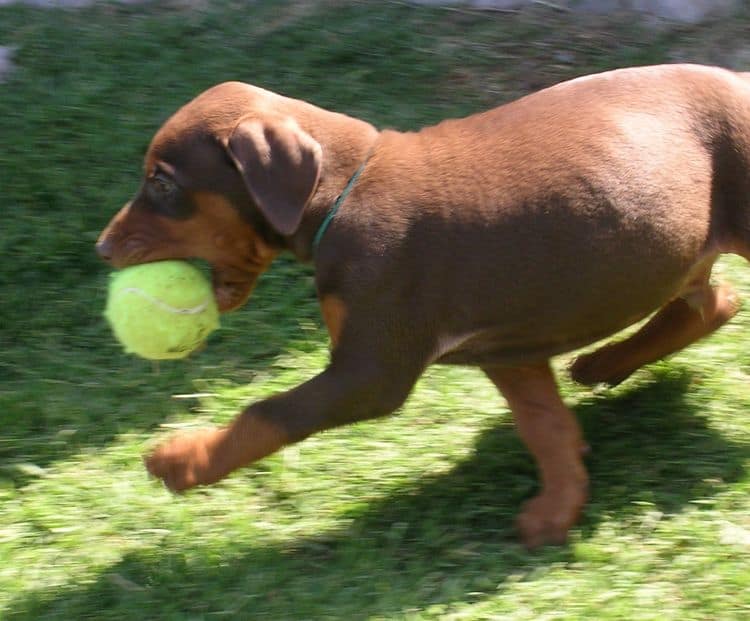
509 239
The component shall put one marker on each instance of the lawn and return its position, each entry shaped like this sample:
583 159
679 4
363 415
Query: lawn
410 517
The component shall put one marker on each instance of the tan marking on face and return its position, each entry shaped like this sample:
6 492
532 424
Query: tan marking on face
218 225
236 252
215 232
135 236
334 313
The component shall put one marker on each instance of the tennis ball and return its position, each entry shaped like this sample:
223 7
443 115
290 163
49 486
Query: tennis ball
161 310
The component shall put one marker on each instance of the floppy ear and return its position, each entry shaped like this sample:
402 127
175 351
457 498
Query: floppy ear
280 164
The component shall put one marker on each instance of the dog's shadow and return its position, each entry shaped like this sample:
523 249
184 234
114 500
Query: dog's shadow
448 538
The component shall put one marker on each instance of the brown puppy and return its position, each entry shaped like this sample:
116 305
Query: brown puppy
498 240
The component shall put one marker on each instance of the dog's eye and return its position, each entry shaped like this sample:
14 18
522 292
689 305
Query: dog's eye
165 197
161 185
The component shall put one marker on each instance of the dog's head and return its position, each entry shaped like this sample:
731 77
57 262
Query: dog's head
226 179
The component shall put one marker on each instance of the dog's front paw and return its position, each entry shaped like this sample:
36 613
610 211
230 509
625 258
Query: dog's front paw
184 461
547 518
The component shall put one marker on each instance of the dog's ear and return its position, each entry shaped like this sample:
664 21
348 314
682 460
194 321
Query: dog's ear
280 164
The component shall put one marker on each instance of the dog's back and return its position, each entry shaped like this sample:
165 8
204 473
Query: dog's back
594 200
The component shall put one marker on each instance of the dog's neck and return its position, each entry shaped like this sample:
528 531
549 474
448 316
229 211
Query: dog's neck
337 205
344 152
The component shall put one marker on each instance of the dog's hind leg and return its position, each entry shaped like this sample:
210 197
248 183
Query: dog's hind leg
698 312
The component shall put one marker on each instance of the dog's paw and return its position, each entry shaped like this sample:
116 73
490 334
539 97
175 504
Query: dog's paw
183 461
599 367
728 303
547 518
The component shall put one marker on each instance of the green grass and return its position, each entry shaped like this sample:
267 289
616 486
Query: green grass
405 518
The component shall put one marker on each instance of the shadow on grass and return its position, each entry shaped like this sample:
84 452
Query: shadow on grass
447 539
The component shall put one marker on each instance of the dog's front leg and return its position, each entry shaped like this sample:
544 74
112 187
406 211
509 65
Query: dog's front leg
553 436
347 391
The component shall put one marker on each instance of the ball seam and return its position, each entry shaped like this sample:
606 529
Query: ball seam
193 310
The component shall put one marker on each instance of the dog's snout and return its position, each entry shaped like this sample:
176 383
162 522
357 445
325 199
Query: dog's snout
104 249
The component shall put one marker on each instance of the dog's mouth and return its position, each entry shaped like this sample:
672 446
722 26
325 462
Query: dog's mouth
232 287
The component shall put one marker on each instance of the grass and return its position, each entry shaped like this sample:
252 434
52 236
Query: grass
405 518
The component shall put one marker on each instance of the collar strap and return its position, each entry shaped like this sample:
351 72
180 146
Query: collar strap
337 203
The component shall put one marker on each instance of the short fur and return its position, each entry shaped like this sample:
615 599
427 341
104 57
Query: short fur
498 240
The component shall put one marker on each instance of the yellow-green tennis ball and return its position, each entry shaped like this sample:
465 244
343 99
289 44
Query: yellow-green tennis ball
161 310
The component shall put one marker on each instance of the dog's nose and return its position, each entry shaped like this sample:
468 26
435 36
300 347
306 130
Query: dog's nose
104 249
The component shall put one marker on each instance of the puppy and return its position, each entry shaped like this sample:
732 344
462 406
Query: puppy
498 240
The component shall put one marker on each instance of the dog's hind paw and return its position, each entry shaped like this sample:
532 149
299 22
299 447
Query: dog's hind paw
598 367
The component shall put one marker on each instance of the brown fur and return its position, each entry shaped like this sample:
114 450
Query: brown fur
498 240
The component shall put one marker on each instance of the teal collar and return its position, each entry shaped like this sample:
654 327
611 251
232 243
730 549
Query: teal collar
337 203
